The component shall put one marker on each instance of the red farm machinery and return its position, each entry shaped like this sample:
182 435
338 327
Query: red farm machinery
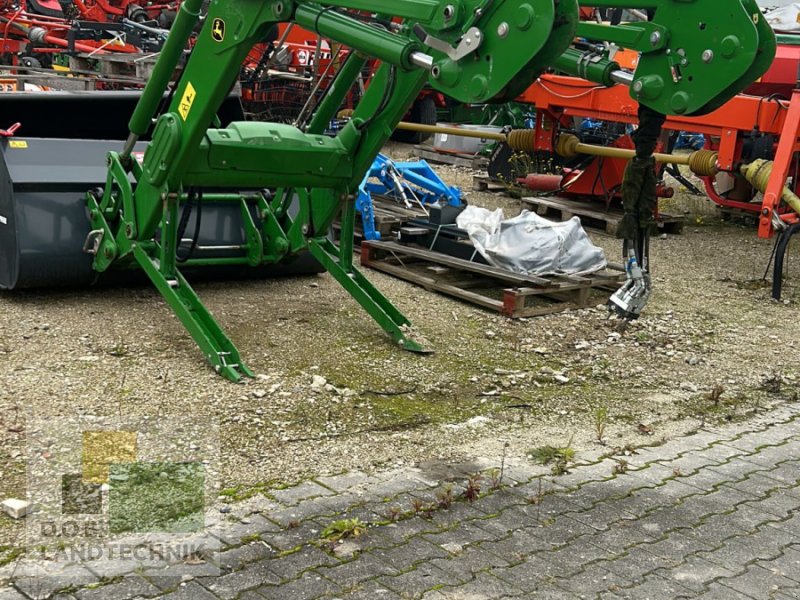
750 162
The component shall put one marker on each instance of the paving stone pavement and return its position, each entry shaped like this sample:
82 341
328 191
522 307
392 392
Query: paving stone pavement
715 514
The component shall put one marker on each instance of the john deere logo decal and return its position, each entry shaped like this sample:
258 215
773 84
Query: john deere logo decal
218 30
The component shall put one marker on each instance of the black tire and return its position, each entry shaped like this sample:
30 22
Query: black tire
30 62
423 111
40 9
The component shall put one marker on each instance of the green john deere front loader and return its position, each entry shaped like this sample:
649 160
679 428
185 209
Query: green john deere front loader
264 193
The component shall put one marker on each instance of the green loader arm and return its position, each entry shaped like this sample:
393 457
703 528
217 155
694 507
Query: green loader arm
472 50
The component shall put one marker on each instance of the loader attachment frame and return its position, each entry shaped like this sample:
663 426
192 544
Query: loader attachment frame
291 183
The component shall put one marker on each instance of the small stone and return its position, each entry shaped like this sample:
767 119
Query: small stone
540 350
224 509
346 549
490 334
89 358
16 508
313 285
259 393
318 382
453 548
561 378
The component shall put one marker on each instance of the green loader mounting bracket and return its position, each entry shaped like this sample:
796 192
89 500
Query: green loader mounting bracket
695 55
289 184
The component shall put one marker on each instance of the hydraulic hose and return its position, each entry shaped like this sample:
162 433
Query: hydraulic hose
196 197
780 253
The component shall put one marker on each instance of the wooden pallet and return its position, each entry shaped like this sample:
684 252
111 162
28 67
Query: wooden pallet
484 183
136 66
511 294
593 215
457 159
390 216
386 226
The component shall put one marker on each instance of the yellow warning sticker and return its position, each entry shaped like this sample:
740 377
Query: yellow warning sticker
187 101
17 144
218 30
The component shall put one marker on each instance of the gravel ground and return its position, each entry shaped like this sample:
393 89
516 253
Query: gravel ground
333 393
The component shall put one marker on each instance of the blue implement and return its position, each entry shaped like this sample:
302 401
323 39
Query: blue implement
409 183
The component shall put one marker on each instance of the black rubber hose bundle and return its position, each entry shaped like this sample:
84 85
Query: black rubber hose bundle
780 254
639 185
193 197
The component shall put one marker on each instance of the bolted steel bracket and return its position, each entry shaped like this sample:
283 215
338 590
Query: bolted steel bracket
93 240
468 44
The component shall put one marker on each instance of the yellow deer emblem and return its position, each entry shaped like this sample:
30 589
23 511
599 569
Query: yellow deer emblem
218 30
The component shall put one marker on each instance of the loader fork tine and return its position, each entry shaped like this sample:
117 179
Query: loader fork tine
201 325
376 304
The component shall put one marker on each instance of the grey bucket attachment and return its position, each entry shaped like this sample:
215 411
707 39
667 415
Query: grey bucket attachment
44 220
45 176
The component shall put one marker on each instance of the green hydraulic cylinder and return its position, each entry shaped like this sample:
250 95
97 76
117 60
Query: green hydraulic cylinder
171 53
638 4
418 10
372 41
336 93
588 66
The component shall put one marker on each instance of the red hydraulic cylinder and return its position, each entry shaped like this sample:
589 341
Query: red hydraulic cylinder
541 183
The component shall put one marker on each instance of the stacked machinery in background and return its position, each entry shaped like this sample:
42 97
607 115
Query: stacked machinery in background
35 32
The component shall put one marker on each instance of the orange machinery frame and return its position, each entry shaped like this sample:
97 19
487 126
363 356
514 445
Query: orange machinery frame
559 99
